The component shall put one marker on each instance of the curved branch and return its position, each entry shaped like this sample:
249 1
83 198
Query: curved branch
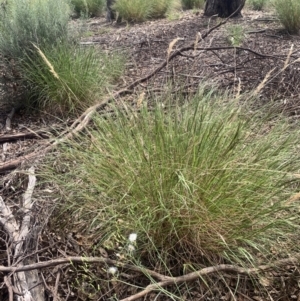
169 280
210 270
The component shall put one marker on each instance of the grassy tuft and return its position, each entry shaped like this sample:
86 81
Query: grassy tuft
69 78
174 10
23 22
159 8
190 4
140 10
93 8
133 10
200 179
289 14
258 4
235 35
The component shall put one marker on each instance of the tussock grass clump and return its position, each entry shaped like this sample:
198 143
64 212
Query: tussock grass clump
140 10
236 35
289 14
257 4
93 8
202 178
23 22
133 10
190 4
54 70
159 8
69 78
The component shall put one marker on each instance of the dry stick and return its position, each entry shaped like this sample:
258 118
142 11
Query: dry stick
86 117
8 221
164 280
55 296
207 271
20 278
233 47
9 118
70 260
18 233
12 164
28 135
9 288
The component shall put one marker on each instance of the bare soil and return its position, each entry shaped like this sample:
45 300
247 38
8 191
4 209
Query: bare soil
266 48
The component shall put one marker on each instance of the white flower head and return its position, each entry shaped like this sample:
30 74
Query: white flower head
131 248
112 270
132 237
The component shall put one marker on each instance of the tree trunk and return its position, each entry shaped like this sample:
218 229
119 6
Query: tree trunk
223 8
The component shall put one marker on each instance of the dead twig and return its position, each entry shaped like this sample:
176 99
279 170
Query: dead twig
18 234
9 118
55 296
191 276
163 280
9 288
41 134
12 164
210 270
20 279
233 47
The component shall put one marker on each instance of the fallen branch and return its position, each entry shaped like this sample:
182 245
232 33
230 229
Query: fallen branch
163 280
20 278
41 134
191 276
18 235
9 288
12 164
235 48
77 259
209 270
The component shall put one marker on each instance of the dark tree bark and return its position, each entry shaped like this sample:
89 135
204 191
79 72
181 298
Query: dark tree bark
223 8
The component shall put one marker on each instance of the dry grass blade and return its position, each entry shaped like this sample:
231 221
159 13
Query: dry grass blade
238 89
198 37
293 198
262 84
286 63
140 100
170 48
51 68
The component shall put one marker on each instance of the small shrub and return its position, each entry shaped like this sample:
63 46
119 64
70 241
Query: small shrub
140 10
235 35
67 77
159 8
93 8
174 10
133 10
195 180
190 4
257 4
23 22
289 14
55 72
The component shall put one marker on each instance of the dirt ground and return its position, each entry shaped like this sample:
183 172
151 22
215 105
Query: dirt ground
266 54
